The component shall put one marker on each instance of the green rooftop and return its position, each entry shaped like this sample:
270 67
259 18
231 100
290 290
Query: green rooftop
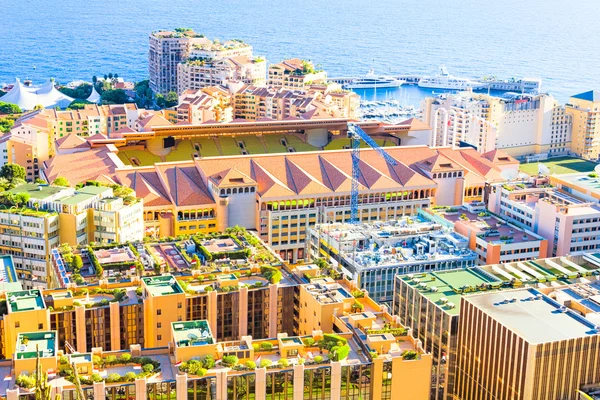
192 333
37 191
28 344
26 300
162 285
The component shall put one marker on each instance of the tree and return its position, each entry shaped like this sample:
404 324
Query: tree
40 181
12 172
9 108
116 76
38 107
21 199
61 181
94 80
105 77
114 96
77 263
171 99
160 100
6 124
78 104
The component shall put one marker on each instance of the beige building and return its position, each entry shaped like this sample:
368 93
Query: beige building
584 109
203 105
521 344
199 73
294 74
167 49
522 125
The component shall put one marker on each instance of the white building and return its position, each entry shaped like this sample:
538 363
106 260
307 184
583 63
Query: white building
521 125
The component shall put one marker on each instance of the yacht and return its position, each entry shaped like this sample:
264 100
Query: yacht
372 81
448 82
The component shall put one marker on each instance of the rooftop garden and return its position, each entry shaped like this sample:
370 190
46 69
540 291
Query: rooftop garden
105 366
122 192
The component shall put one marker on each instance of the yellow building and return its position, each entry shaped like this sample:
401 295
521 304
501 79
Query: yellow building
164 304
294 74
585 111
27 312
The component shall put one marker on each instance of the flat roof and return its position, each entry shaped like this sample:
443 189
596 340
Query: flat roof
162 285
8 273
581 179
29 343
25 300
37 191
533 316
446 282
192 333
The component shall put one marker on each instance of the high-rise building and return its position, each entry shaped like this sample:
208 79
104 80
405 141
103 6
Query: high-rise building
430 304
167 50
521 344
521 125
584 109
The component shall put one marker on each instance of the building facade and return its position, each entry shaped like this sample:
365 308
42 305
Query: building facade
520 125
584 109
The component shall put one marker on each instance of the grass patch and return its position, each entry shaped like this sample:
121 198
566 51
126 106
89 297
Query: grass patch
560 165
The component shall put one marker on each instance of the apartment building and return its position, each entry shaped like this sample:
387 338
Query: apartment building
567 222
520 125
372 254
493 239
374 357
204 105
430 304
584 109
525 360
199 73
167 49
55 215
294 74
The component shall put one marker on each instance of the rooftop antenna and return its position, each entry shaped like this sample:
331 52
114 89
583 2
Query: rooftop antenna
509 174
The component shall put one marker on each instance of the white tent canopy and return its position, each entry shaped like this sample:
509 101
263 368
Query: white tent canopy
27 97
94 97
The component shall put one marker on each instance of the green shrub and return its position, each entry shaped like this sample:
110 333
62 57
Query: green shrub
129 377
125 358
250 364
309 342
255 346
229 361
97 360
208 362
266 346
272 274
318 359
96 378
201 372
114 377
264 363
410 355
110 360
25 381
63 360
148 368
284 362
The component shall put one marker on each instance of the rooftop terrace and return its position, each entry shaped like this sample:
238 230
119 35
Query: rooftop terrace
533 316
25 300
328 293
445 288
405 241
38 192
162 285
28 344
192 333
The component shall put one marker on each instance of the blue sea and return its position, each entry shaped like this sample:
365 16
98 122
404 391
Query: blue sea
555 40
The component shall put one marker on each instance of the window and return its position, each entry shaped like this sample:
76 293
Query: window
40 326
159 325
179 305
158 312
159 337
17 324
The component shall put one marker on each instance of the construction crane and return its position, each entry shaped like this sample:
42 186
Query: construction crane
356 134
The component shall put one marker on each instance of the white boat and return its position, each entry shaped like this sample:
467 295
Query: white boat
372 81
448 82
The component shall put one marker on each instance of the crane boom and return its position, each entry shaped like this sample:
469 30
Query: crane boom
356 134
